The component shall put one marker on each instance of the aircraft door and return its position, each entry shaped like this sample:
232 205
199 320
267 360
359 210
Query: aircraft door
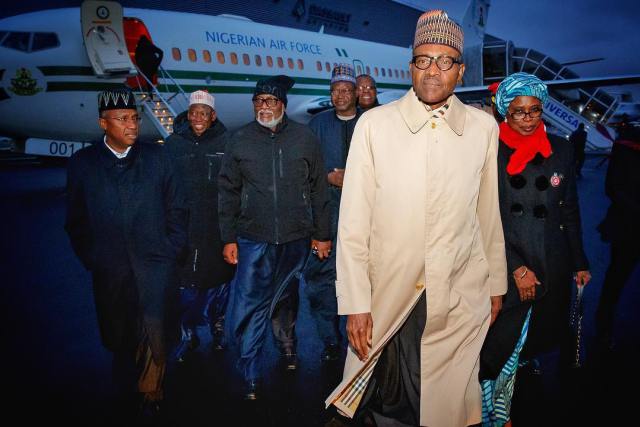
104 40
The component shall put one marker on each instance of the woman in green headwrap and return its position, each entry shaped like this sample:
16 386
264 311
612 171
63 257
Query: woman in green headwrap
543 238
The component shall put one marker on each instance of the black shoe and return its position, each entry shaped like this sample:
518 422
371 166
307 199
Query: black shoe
150 412
331 353
252 390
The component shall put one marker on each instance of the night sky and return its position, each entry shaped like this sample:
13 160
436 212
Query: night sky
568 30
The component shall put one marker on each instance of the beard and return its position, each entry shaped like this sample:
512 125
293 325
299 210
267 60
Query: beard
269 123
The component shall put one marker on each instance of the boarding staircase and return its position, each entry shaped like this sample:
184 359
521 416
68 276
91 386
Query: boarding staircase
156 106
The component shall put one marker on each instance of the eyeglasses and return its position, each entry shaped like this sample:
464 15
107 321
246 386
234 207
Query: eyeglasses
534 113
366 88
271 102
125 119
443 62
341 91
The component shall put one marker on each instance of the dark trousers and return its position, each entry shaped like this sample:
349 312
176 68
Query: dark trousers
204 305
392 397
265 287
625 254
320 283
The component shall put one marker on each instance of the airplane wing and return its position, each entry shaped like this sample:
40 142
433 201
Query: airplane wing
582 82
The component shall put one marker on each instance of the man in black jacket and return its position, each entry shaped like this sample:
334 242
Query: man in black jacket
196 153
273 207
127 219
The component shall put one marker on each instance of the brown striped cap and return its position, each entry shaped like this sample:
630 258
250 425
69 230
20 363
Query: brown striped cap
435 27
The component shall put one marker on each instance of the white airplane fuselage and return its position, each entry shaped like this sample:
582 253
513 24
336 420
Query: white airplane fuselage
62 104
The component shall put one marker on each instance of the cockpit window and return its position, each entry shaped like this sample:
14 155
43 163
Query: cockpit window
28 42
42 41
17 40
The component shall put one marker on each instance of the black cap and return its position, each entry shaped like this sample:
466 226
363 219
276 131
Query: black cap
116 99
276 86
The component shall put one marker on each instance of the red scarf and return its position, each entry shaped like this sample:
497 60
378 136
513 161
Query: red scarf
526 146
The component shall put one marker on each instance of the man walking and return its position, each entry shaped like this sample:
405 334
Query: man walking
127 219
273 207
334 129
196 153
421 259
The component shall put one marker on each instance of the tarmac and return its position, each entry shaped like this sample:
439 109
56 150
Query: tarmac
56 369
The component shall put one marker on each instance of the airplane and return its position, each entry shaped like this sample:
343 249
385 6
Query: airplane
54 62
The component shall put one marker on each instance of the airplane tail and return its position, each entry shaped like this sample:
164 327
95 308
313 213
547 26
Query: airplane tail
475 19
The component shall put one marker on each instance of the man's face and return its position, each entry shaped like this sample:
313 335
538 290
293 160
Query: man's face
120 127
268 115
433 86
343 97
366 92
200 118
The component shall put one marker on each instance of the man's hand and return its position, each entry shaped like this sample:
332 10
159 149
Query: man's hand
526 282
321 249
359 332
336 177
230 253
583 277
496 306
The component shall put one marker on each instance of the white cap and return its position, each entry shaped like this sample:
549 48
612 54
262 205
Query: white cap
202 97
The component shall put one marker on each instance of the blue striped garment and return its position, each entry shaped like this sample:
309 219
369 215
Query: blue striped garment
497 394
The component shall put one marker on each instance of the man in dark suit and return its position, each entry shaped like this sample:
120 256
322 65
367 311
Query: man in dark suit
127 218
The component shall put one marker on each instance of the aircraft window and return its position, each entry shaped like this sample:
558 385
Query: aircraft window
396 72
368 70
375 71
245 59
290 63
280 62
269 61
402 74
335 64
220 56
192 55
300 64
42 41
383 72
327 66
234 58
390 72
17 40
319 65
258 60
206 55
175 53
359 70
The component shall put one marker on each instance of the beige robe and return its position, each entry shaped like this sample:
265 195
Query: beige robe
420 212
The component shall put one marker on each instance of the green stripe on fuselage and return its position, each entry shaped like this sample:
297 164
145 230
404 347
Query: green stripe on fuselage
209 76
66 71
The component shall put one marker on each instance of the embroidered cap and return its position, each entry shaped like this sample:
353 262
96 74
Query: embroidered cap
435 27
116 99
202 97
343 73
